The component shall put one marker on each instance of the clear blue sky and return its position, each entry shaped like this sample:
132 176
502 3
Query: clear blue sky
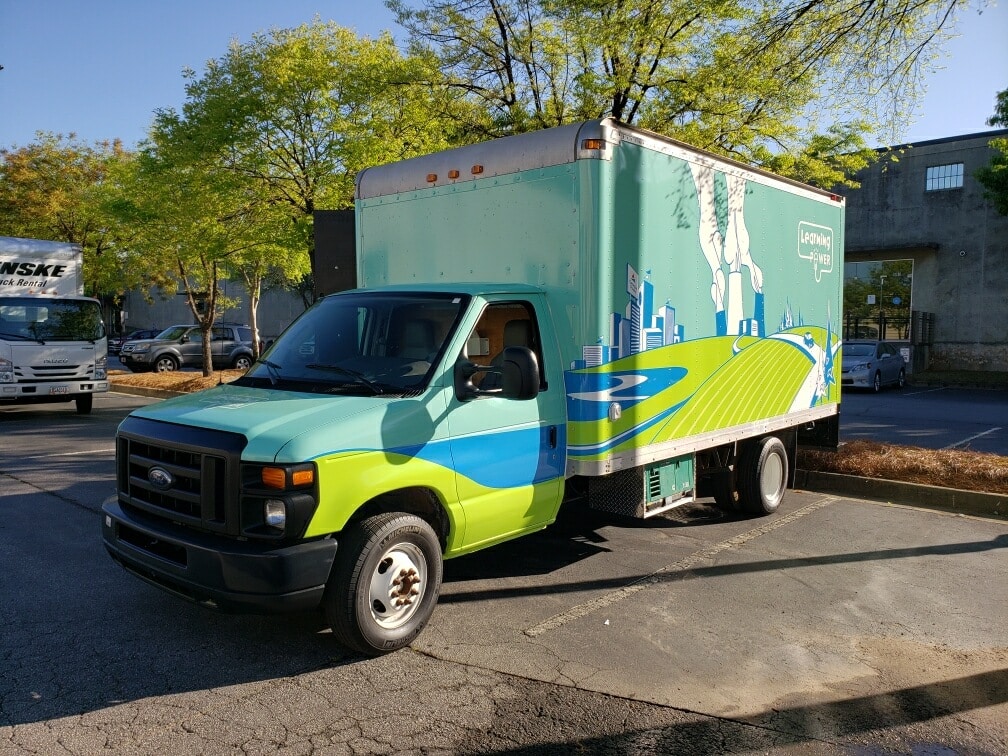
100 68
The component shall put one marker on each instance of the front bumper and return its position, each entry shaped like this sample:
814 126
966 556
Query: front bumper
52 391
216 571
858 379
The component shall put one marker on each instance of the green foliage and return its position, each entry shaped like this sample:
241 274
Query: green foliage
791 84
287 120
51 189
994 177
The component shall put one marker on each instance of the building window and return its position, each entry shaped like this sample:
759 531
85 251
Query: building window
944 177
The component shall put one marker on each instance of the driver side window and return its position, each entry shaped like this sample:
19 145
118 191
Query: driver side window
500 326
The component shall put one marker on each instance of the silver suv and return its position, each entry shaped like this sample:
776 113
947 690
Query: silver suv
181 346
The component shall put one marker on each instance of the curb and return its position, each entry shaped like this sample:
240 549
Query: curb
952 500
141 391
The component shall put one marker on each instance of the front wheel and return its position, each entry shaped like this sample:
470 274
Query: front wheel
84 403
901 379
385 583
877 382
165 364
763 475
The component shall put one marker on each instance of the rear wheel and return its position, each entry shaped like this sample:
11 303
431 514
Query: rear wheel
84 403
385 583
762 475
723 489
242 362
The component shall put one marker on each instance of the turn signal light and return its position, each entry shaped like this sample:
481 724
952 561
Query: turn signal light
274 477
303 477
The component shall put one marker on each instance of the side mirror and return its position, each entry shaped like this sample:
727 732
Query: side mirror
521 373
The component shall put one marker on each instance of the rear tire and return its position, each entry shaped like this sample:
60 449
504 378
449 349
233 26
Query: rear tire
84 403
384 584
242 362
723 489
763 475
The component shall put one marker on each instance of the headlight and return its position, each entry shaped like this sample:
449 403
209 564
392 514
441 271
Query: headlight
862 366
141 348
275 513
101 368
6 371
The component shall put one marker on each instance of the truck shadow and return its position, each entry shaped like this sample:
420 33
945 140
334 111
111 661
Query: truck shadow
577 534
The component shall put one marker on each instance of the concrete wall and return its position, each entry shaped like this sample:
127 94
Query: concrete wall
276 310
957 240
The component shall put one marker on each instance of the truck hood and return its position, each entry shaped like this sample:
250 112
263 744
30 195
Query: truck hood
292 427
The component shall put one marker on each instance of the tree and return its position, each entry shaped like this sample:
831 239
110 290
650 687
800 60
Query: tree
292 116
191 219
52 189
994 177
749 79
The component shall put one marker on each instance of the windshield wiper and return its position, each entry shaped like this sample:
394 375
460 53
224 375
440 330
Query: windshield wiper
21 336
359 377
273 369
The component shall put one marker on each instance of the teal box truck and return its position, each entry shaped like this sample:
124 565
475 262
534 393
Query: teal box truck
592 313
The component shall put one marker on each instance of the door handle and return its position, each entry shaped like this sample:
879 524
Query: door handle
553 437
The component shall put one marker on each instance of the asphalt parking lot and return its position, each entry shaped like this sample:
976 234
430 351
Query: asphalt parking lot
837 626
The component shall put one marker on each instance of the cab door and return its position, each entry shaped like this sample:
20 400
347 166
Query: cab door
509 455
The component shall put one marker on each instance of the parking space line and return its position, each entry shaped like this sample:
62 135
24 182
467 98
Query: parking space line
924 391
972 438
682 566
73 453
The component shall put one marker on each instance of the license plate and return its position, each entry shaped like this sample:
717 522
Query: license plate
59 389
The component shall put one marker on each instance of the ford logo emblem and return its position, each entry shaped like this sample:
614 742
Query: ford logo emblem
161 479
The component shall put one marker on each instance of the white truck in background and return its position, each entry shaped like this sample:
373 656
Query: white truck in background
53 344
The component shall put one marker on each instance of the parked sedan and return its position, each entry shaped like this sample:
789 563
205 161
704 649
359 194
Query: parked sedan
872 364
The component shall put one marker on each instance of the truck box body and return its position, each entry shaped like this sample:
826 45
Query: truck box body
52 339
590 312
627 242
34 267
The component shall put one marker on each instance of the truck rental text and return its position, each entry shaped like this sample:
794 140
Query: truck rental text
52 339
591 314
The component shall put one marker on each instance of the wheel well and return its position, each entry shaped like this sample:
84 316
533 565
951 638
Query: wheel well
418 501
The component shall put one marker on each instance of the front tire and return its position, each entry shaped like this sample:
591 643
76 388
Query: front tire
877 382
84 403
165 364
385 583
901 379
763 475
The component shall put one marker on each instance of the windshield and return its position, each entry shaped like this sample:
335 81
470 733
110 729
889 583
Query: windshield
43 319
362 342
859 350
174 333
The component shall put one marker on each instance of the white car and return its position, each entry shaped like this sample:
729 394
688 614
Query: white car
871 364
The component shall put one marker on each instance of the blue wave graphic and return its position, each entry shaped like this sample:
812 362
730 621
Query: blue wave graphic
590 394
509 459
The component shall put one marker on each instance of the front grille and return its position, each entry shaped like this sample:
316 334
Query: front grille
53 373
196 480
